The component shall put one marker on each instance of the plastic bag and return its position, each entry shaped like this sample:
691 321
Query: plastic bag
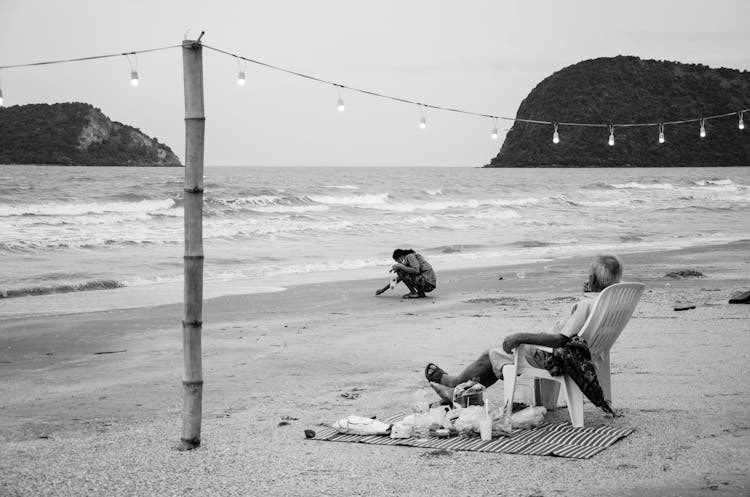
467 422
527 418
359 425
402 430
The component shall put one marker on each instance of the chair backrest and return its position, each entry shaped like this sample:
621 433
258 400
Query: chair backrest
610 313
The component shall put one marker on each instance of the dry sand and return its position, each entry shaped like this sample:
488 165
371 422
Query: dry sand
74 422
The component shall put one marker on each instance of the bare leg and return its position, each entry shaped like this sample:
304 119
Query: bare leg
481 368
405 278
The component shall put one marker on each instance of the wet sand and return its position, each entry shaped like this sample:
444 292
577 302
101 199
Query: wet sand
91 402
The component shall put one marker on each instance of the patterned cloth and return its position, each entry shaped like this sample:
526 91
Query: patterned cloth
574 359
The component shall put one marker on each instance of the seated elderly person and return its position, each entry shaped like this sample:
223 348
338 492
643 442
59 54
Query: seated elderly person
604 271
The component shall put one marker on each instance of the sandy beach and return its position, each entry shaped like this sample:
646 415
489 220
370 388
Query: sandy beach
91 402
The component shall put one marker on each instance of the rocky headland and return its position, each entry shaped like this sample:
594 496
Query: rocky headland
626 90
75 134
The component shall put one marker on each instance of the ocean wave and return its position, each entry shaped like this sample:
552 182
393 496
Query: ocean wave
643 186
342 187
291 209
77 209
448 205
64 288
354 200
437 191
714 182
453 249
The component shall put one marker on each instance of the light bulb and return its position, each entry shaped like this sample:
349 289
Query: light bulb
661 137
611 141
134 78
555 137
741 124
241 78
703 131
423 123
494 134
340 106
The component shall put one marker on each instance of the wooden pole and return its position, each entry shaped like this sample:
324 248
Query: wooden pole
192 323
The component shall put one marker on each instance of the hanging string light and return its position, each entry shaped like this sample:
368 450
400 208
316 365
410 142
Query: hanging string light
423 119
340 105
611 141
133 68
134 80
241 73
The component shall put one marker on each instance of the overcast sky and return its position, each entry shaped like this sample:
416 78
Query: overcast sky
482 56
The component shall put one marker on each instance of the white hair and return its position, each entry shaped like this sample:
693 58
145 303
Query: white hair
605 270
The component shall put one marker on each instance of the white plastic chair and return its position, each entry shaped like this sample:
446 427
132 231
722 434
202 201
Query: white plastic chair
610 313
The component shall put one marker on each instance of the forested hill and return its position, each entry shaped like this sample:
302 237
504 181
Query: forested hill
75 134
620 90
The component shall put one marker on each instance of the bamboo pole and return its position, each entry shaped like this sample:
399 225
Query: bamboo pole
192 63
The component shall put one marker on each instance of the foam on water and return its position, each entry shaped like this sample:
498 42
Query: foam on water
321 222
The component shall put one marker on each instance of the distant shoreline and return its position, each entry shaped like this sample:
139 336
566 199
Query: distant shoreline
628 166
101 165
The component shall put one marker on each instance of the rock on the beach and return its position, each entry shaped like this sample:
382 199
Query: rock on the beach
684 273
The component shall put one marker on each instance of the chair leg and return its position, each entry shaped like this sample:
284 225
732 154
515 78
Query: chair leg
509 384
604 375
574 398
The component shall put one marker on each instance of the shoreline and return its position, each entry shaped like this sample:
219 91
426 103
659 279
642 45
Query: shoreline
132 297
94 399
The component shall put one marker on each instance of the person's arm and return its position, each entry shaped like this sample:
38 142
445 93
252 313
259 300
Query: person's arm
566 329
381 290
544 339
407 269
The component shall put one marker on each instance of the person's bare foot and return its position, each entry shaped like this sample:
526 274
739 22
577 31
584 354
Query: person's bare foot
445 393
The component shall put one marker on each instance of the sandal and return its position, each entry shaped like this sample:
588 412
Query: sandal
433 373
413 296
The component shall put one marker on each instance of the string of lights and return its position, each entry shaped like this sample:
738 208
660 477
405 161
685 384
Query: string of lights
241 80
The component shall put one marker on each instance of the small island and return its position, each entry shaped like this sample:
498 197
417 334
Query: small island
75 134
622 90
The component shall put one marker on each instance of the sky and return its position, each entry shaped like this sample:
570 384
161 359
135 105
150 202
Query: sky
482 56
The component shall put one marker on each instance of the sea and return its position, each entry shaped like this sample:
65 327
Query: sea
85 238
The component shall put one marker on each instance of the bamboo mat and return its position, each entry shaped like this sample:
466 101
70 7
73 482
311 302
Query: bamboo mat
560 439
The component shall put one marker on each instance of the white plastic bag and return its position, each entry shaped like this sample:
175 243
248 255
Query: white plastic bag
527 418
402 430
359 425
468 419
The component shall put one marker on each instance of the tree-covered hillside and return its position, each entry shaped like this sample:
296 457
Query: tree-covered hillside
75 134
623 90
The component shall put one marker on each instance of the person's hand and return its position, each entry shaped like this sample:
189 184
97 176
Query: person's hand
395 267
509 344
379 291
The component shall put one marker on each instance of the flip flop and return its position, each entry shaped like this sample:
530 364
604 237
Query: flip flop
413 296
433 373
740 298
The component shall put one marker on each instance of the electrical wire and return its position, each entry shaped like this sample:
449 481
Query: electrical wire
93 57
382 95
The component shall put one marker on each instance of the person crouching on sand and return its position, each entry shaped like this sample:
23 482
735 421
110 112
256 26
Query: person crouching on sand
414 270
